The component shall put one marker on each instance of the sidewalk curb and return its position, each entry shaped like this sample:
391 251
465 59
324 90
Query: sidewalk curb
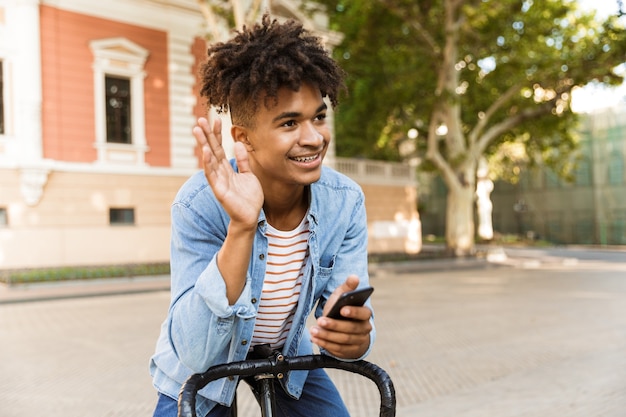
21 293
411 267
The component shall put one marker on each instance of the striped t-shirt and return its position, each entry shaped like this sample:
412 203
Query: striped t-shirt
286 257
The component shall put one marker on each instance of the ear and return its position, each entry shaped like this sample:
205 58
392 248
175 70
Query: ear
240 134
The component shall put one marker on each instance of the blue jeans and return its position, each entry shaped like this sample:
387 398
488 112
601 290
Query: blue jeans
319 398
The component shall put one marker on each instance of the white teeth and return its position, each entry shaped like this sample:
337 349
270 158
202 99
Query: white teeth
305 159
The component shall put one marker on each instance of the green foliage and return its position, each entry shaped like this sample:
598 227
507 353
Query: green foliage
23 276
393 51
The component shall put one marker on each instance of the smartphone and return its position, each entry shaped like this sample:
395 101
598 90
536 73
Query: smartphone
351 298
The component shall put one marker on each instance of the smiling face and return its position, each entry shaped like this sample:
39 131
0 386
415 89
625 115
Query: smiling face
288 140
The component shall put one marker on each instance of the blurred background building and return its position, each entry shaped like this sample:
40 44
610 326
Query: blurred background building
589 210
97 103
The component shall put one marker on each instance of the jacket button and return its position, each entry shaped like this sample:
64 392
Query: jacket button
254 300
231 378
244 342
262 256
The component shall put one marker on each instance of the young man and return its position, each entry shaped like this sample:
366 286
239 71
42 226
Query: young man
261 241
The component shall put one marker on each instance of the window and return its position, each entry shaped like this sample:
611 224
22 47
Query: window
1 99
118 109
4 217
119 100
124 216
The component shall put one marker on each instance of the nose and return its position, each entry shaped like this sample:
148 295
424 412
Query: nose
312 135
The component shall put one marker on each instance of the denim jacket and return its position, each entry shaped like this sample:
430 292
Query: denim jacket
202 329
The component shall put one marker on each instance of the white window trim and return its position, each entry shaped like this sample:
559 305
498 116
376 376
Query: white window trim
120 57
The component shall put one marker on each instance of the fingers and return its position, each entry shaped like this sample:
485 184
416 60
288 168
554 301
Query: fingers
351 283
210 138
215 138
241 155
344 338
347 339
354 314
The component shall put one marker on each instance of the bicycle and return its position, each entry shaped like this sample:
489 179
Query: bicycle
275 366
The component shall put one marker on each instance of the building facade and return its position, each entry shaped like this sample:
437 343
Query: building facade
97 102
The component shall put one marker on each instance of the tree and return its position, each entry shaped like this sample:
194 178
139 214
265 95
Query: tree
224 14
471 78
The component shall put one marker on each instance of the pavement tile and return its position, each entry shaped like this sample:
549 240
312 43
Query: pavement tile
471 341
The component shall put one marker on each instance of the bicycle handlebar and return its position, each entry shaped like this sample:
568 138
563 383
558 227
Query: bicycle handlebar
189 390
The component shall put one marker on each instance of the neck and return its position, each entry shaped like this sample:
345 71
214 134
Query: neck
286 211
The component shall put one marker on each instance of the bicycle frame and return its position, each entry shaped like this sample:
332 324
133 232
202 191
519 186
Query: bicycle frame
278 365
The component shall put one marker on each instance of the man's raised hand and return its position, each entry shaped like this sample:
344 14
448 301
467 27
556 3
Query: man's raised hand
240 193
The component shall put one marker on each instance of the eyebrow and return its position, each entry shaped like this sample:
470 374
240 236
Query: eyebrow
292 115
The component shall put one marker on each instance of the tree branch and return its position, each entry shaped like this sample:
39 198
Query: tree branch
209 16
513 121
495 106
238 14
253 12
510 123
433 154
448 81
415 24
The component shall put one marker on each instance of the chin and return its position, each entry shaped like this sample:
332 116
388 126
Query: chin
310 177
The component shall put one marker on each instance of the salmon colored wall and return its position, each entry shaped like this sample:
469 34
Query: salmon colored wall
67 78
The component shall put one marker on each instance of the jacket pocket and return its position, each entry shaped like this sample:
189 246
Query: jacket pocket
325 267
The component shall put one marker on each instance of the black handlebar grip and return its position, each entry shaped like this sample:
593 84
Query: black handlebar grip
189 390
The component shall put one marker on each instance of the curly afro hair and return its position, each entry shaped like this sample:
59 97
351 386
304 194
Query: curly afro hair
262 59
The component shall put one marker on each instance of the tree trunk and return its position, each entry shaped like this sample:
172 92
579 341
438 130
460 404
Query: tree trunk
460 220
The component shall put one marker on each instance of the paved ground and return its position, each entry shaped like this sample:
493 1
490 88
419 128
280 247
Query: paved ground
530 339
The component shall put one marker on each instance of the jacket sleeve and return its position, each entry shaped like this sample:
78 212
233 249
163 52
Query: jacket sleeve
351 259
201 321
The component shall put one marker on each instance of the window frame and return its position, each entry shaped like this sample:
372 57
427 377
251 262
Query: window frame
119 57
121 212
4 217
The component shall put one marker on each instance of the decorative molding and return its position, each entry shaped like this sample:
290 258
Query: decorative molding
119 49
32 181
181 16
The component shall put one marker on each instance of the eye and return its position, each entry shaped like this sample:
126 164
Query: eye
289 123
320 117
